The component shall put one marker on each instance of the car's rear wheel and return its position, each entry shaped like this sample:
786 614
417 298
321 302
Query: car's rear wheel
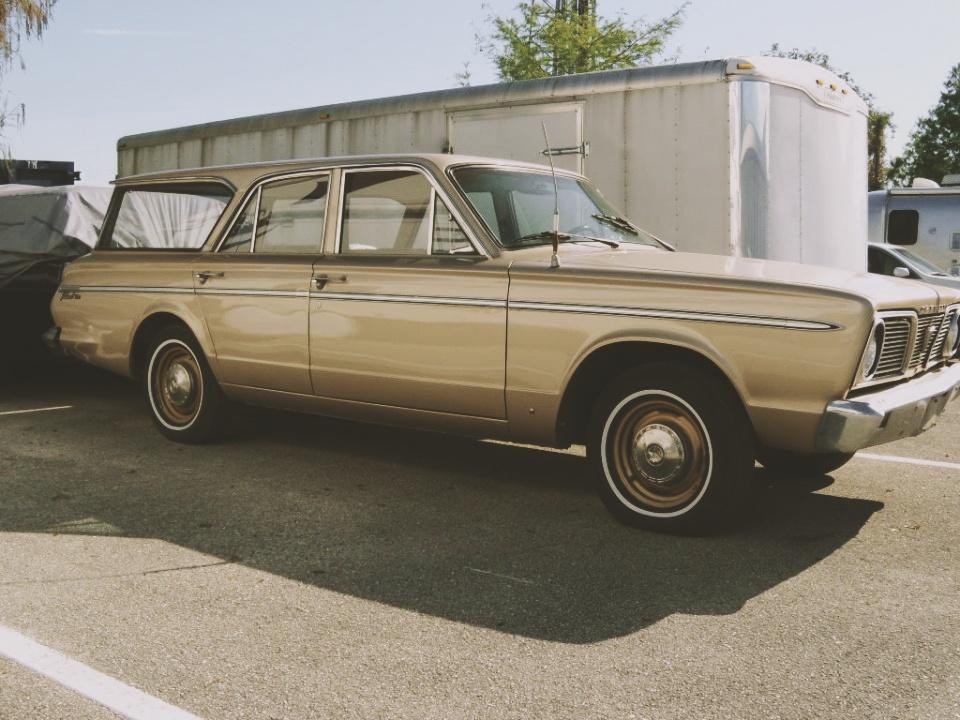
800 465
185 400
671 449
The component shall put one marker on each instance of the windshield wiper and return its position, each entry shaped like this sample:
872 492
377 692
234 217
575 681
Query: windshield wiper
617 222
565 238
544 235
589 238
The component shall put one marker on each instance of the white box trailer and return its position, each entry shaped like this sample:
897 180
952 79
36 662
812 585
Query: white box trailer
924 218
756 157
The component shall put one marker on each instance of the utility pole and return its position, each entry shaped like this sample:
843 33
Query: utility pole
582 13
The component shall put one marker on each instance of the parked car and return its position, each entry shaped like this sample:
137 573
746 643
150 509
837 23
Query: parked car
897 261
41 230
924 218
424 290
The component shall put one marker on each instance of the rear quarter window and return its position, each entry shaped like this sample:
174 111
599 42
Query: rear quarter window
178 216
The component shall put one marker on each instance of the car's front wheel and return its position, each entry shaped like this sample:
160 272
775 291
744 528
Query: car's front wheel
184 398
671 449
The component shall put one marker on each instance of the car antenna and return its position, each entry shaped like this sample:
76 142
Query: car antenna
554 260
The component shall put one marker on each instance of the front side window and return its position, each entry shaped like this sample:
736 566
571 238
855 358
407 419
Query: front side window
920 262
881 262
518 207
174 217
386 211
448 237
397 212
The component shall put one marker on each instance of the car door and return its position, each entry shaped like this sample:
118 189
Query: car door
254 288
407 311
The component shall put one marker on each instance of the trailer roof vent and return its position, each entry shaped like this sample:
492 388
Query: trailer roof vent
923 183
951 181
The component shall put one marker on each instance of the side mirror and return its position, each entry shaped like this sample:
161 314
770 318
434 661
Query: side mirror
901 272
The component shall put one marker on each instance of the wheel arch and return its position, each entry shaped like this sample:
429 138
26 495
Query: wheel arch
598 366
147 329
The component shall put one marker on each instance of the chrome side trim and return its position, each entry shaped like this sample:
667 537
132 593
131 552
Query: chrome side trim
410 299
758 320
257 293
65 289
764 321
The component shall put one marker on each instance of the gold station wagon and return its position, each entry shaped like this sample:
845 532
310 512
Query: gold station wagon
424 290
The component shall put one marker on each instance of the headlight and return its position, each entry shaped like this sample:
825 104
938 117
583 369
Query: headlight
871 356
952 343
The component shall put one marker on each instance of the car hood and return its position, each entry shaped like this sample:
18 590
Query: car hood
882 291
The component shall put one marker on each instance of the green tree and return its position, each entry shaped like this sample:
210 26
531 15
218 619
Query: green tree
934 147
879 122
19 20
568 36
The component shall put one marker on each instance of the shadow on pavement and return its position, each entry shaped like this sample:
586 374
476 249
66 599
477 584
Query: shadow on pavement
486 534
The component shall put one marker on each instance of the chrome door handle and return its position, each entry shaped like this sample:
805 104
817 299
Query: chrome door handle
321 281
205 275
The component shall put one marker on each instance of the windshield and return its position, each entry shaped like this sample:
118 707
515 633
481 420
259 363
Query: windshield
919 262
517 206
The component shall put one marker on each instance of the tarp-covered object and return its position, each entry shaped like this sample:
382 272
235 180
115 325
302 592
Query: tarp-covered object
41 230
43 224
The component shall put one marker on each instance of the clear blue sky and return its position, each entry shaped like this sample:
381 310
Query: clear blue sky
107 68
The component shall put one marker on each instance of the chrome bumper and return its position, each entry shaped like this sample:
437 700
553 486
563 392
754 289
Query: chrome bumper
898 412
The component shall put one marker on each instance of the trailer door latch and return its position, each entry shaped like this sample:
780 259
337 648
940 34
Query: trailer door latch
581 149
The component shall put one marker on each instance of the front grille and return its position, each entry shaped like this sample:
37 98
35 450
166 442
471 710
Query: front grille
896 340
936 352
928 327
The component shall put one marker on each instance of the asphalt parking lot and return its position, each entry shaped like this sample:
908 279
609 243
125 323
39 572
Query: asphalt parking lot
313 568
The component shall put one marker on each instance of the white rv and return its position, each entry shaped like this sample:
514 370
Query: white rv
757 157
924 218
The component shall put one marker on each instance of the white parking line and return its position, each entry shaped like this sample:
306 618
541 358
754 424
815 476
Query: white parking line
910 461
501 575
36 410
123 699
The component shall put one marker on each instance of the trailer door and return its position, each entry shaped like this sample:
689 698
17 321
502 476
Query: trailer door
516 133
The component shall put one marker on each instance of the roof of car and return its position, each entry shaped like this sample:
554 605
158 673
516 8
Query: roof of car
440 161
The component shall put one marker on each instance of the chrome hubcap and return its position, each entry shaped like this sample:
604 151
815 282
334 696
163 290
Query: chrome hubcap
178 384
658 453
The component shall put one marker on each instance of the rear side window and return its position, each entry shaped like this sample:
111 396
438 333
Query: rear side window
291 216
167 217
902 227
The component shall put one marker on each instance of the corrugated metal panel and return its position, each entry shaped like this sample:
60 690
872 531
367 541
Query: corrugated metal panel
526 91
604 117
702 161
651 135
420 111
